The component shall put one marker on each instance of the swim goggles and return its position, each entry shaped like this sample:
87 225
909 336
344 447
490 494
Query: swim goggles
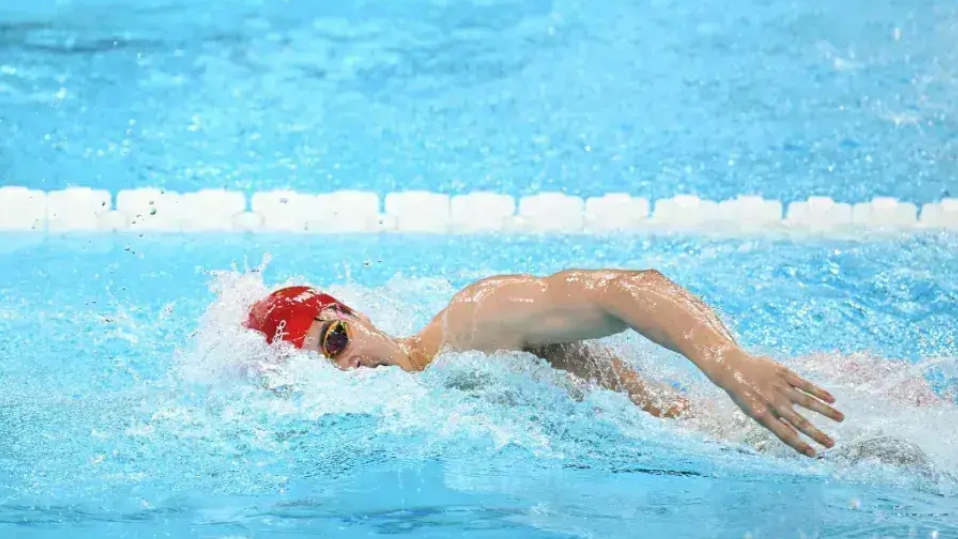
334 338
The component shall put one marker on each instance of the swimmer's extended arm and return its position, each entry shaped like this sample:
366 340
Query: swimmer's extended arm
525 311
669 315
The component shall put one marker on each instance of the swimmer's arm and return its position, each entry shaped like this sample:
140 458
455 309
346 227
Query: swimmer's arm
523 311
625 378
517 311
670 316
609 371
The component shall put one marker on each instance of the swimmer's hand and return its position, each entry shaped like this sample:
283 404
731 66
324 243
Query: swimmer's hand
767 391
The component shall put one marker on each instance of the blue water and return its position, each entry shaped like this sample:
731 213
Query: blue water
124 407
783 99
122 414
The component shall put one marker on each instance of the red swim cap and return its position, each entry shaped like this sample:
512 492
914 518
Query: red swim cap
288 312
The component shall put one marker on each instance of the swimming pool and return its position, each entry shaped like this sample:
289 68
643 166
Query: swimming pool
121 411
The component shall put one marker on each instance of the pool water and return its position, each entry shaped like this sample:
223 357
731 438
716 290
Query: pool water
130 403
783 99
124 414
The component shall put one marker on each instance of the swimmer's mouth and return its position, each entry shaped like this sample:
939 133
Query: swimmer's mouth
373 363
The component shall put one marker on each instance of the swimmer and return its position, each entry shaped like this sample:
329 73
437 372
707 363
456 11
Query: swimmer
551 317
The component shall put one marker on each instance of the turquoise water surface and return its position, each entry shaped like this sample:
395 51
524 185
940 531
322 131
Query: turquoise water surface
124 413
783 99
128 406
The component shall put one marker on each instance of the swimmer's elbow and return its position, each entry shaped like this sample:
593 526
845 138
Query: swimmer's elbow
649 276
641 282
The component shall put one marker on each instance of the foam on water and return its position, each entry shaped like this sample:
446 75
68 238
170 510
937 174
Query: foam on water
895 419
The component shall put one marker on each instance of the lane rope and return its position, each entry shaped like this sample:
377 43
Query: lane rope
82 209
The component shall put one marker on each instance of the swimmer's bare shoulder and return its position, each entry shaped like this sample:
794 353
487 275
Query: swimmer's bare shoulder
518 311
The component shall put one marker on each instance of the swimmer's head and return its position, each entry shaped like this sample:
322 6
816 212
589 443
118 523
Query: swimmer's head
317 322
288 313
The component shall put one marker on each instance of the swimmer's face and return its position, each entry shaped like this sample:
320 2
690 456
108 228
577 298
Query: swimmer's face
366 345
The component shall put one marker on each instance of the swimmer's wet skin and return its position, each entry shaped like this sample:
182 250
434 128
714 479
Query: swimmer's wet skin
550 316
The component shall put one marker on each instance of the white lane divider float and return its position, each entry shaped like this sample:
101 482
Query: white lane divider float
81 209
549 212
418 211
819 214
22 209
942 214
211 210
77 208
614 212
481 212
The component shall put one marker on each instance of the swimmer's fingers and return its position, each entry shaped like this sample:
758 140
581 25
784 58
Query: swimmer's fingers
808 387
786 433
789 427
803 399
796 420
